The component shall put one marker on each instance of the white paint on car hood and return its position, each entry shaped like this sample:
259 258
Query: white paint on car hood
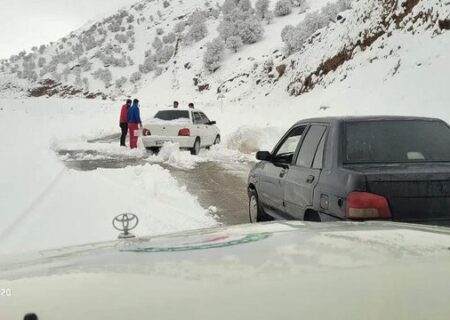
265 271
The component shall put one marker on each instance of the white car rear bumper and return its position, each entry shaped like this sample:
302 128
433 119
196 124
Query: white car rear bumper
158 141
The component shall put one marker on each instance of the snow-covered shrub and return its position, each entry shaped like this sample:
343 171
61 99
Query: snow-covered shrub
121 38
283 8
179 27
77 49
159 31
241 23
269 17
41 62
228 6
84 63
130 19
166 4
130 46
135 77
157 43
197 17
130 61
215 13
148 66
89 42
114 26
234 43
250 30
42 49
169 38
302 4
332 9
196 32
165 54
244 5
110 59
213 54
262 8
294 37
158 71
103 75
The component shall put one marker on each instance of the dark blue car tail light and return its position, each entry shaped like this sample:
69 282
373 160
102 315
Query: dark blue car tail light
366 206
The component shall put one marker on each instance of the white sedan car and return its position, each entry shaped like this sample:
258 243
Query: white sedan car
191 129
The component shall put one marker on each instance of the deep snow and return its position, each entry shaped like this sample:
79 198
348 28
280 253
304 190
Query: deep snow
45 205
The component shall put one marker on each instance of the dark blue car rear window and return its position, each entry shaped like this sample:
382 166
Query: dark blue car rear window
396 141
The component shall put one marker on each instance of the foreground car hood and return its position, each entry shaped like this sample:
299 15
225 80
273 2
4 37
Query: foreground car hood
264 271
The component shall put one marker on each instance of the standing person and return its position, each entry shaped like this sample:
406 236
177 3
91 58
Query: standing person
191 105
123 122
175 104
134 122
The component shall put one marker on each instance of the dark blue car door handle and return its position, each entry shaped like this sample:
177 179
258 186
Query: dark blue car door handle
283 173
310 179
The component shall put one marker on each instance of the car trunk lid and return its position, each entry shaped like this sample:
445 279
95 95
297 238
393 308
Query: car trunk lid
415 193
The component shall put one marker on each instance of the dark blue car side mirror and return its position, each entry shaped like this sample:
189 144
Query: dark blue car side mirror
263 156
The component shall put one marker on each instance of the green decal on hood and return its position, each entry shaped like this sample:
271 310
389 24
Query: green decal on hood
206 244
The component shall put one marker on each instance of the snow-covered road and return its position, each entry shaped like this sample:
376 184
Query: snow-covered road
219 186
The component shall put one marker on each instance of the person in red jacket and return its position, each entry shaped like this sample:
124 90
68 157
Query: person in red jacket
123 122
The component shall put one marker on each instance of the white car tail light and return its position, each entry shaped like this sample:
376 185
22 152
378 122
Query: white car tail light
184 132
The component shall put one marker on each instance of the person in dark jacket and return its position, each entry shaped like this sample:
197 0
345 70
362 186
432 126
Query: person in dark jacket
123 122
134 123
191 105
175 104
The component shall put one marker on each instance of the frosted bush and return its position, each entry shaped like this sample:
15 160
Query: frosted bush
228 6
169 38
213 54
121 38
121 81
234 43
41 62
283 8
103 75
157 43
250 30
262 8
294 37
197 32
331 10
179 27
135 77
158 71
165 54
244 5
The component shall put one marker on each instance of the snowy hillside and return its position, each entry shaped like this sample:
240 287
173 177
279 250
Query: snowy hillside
163 43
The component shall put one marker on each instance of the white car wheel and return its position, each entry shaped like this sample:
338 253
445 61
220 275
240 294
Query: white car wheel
196 149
